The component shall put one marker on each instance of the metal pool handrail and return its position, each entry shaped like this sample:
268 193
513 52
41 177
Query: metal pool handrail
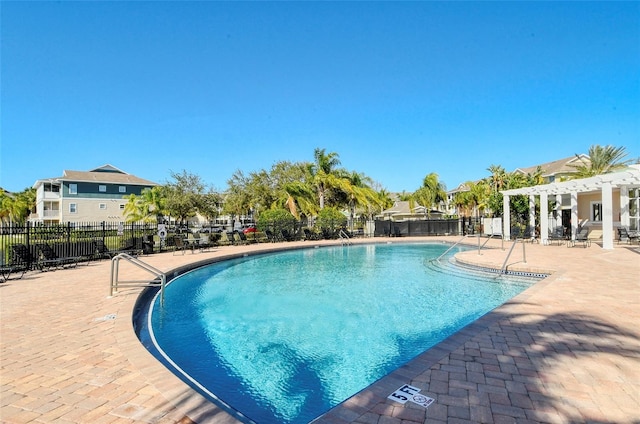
115 282
524 254
450 247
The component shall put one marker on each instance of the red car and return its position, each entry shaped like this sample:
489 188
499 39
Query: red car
250 229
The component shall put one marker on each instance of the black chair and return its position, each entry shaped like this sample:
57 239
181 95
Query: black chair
557 235
180 245
581 236
309 235
50 259
286 236
102 251
242 237
628 236
22 257
12 268
270 236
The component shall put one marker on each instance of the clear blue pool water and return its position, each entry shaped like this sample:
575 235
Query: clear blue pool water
283 338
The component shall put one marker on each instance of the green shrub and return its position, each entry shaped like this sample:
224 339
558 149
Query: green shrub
330 221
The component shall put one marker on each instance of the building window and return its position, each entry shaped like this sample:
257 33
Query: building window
102 188
122 189
73 208
122 207
73 188
103 206
596 211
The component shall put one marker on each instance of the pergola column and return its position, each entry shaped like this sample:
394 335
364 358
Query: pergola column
544 217
607 215
506 218
532 215
574 215
557 214
624 206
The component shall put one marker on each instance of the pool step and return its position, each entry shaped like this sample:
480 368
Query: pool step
449 266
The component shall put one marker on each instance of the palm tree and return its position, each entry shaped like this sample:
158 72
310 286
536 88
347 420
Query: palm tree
475 198
431 193
323 173
498 178
15 208
602 160
147 207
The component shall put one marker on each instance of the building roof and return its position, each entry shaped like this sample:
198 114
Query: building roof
628 176
108 174
560 166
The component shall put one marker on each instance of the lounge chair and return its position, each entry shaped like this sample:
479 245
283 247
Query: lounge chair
22 257
231 237
50 259
286 236
12 268
557 235
270 236
581 236
132 246
629 236
309 235
242 237
102 251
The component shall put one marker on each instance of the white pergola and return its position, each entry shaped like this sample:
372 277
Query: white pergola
604 184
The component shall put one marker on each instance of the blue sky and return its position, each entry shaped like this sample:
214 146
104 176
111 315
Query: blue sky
397 89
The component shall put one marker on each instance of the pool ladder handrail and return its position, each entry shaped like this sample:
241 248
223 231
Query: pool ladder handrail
503 270
344 238
115 282
450 247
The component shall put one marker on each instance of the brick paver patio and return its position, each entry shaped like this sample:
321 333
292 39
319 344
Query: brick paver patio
565 351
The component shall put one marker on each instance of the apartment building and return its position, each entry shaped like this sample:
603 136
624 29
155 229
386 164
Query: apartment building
96 195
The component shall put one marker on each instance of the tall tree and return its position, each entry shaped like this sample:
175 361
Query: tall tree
183 195
602 160
431 193
15 208
323 172
498 178
476 198
148 206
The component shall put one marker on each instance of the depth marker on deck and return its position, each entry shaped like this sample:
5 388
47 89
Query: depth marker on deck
410 393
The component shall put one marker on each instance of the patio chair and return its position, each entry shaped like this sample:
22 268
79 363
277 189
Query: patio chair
181 245
270 236
22 257
557 235
50 259
132 246
12 268
286 236
102 251
628 236
242 237
309 235
581 236
231 237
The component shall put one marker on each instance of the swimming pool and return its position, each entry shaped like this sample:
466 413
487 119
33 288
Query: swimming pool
283 338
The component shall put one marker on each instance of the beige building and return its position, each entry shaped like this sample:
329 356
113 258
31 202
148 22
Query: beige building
96 195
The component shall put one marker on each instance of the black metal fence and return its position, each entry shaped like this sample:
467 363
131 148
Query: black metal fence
426 227
80 239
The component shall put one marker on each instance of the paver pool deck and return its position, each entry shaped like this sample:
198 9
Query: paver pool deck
567 350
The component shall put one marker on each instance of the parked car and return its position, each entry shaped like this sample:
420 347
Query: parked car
250 229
